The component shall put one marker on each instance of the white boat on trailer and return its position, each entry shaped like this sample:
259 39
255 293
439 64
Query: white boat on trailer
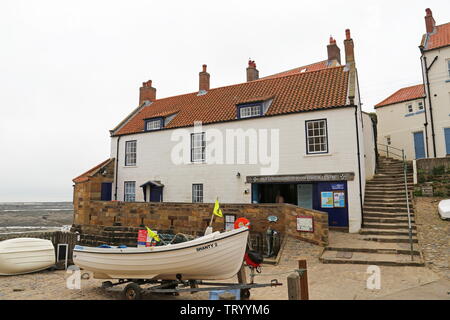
216 256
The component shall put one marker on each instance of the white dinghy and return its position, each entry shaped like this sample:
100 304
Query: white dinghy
444 209
25 255
216 256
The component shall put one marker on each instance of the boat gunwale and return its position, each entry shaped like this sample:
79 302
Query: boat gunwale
106 250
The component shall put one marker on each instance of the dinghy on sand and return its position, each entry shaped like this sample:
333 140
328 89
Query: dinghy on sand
216 256
25 255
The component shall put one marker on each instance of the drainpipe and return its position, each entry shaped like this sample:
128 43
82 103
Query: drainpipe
426 117
359 153
427 69
359 165
117 168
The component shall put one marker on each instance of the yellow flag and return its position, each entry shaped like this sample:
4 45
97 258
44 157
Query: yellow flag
217 210
153 234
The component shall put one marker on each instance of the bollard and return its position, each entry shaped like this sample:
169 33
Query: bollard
294 286
304 291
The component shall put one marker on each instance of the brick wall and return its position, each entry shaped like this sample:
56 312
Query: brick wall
99 218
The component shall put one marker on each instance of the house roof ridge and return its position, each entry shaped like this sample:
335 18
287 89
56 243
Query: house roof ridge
386 101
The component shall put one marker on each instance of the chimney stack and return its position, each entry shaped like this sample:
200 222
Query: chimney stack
252 72
349 49
147 92
430 23
203 80
334 53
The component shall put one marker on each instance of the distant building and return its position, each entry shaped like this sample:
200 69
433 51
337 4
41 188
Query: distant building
324 142
417 118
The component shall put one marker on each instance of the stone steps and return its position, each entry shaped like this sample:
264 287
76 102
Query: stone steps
387 220
371 209
390 239
384 257
381 232
386 204
389 215
388 226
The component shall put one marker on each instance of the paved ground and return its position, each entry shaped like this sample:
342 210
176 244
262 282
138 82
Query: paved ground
325 281
434 235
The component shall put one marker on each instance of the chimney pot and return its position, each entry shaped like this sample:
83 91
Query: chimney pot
252 72
147 92
430 23
348 34
349 49
203 79
334 53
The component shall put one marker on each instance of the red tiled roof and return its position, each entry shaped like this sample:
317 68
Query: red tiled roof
402 95
311 67
85 176
439 38
323 89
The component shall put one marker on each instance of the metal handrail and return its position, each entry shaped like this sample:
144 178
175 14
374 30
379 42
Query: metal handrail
407 205
405 166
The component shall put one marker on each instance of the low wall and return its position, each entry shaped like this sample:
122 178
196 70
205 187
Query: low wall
191 219
427 165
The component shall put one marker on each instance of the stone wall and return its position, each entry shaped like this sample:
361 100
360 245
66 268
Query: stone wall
428 165
90 190
433 177
98 219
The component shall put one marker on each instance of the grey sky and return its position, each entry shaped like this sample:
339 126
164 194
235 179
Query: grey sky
70 70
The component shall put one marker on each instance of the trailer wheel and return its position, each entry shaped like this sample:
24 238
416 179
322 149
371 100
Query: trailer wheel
245 294
132 292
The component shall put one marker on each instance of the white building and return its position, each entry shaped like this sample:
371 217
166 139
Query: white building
417 119
297 137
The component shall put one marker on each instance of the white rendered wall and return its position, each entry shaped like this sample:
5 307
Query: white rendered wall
396 122
154 160
440 98
369 147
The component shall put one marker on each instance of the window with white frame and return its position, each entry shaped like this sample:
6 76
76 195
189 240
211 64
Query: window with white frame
130 153
420 105
409 108
197 193
130 191
316 136
198 146
153 125
250 111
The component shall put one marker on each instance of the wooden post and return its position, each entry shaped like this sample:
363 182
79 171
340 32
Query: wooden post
304 293
294 286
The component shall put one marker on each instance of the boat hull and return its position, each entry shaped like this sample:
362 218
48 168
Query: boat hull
214 257
25 255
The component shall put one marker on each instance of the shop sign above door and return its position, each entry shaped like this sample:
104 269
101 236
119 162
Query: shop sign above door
293 178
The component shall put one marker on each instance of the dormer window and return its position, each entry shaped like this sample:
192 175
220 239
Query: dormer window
254 108
153 124
250 111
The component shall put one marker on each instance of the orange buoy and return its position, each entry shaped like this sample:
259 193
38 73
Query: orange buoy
241 222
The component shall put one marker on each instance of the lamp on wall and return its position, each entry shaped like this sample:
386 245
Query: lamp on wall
238 175
246 191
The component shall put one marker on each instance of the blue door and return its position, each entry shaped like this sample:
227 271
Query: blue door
447 140
324 200
106 194
419 145
156 194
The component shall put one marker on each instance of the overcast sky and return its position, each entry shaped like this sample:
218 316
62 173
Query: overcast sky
71 70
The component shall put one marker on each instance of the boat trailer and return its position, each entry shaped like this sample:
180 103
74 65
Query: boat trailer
134 291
